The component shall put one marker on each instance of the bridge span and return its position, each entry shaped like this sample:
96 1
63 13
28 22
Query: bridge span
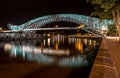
45 29
90 30
40 22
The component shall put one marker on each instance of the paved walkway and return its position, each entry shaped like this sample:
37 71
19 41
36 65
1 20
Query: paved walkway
114 48
107 64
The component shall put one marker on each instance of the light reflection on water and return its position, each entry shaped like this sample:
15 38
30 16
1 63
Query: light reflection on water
58 50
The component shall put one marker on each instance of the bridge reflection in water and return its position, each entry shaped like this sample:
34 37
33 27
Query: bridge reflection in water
58 50
64 50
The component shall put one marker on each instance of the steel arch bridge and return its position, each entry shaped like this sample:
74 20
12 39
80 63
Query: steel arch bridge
88 21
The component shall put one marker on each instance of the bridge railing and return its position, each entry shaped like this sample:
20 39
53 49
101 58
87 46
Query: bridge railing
18 36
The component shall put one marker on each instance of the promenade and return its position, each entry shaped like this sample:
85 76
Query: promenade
107 62
114 47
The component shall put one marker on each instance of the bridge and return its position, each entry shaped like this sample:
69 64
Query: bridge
91 24
87 29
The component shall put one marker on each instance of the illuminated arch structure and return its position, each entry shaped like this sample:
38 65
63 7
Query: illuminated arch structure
74 18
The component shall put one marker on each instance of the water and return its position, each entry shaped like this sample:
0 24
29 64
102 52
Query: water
58 54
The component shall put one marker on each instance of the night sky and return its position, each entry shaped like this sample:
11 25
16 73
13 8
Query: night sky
20 11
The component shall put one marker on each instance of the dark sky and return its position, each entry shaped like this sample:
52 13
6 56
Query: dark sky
21 11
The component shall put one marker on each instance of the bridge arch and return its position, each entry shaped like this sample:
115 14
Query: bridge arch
89 22
75 18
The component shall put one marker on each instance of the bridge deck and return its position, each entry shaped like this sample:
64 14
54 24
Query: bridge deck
35 29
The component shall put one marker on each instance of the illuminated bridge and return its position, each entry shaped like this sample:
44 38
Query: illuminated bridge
91 24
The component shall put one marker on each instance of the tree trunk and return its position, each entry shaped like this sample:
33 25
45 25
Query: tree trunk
118 25
116 21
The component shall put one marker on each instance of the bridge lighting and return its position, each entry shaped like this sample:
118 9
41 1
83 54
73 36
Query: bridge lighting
104 30
48 41
48 34
81 26
75 18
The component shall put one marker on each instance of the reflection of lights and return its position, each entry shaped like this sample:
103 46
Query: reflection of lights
40 58
72 40
74 61
56 26
58 38
53 41
48 41
13 52
23 54
85 41
56 46
44 42
48 35
41 47
63 39
40 54
90 41
28 49
7 47
44 35
95 42
56 52
79 45
69 40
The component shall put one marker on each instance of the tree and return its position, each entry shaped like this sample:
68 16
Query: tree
111 31
107 9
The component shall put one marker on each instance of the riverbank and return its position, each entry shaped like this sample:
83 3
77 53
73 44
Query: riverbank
107 63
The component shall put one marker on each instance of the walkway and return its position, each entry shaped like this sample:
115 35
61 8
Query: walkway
114 48
107 62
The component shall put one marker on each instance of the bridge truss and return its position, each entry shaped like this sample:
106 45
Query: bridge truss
91 22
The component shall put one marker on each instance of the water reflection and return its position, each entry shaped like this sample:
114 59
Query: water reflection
59 50
79 45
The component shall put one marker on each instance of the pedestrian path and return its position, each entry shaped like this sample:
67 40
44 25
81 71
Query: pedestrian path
107 63
114 48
